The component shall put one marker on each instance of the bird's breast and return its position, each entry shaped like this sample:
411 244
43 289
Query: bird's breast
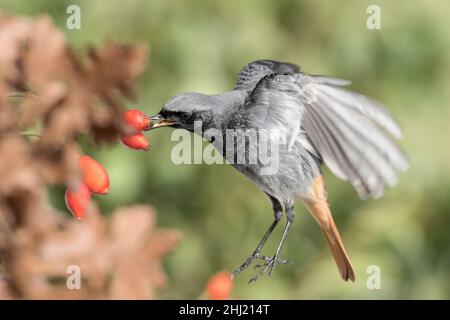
281 169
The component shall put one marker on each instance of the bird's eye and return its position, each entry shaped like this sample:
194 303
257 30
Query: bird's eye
184 117
163 113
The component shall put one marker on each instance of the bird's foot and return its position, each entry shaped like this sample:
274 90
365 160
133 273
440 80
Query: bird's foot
268 267
247 263
268 260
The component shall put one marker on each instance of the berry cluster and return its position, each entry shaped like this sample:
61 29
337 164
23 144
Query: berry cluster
95 180
95 176
139 122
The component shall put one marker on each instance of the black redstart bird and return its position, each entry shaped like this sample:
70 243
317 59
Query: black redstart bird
323 123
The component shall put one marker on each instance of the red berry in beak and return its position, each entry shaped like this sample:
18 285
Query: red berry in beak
78 201
137 141
95 176
219 286
137 119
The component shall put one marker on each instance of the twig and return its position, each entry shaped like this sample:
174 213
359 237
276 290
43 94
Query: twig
23 95
25 134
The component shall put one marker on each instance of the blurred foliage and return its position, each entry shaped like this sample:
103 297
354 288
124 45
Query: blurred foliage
200 46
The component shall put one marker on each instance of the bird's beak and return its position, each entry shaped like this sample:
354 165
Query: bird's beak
158 122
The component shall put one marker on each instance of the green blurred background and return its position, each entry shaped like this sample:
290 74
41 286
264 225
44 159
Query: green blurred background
200 46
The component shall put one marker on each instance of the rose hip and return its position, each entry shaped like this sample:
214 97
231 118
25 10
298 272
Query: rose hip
78 201
137 141
219 286
95 176
137 119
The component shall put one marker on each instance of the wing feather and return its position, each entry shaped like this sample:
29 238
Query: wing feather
355 170
250 75
350 132
372 109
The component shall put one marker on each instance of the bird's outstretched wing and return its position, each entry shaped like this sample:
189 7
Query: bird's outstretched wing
347 130
250 75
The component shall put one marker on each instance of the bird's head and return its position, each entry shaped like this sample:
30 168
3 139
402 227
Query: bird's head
183 110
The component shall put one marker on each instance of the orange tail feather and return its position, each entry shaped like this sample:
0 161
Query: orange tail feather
318 206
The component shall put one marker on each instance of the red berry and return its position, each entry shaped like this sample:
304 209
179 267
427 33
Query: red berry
219 286
78 201
137 119
137 141
95 176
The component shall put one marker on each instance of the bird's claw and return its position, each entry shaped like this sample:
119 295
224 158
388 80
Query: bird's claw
268 265
268 258
246 264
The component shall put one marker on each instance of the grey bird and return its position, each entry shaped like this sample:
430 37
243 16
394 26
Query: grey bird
324 122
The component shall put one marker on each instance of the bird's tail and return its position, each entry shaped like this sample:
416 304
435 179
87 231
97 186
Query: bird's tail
337 249
318 206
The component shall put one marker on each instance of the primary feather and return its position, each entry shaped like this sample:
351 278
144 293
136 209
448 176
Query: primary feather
347 130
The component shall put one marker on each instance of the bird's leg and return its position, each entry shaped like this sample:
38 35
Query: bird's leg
278 215
271 263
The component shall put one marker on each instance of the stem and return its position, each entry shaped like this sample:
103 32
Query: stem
23 95
24 134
